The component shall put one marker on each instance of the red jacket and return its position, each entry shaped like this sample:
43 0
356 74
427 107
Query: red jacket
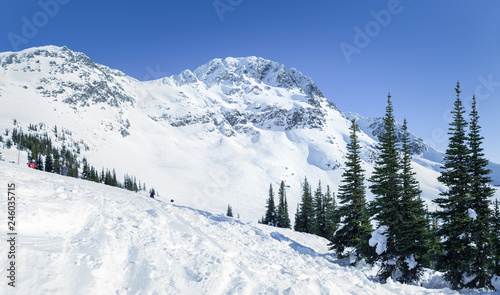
31 165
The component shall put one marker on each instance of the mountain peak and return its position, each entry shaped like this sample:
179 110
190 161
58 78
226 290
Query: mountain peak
242 70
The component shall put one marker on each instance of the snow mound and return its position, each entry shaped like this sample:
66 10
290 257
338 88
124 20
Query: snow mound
379 239
79 237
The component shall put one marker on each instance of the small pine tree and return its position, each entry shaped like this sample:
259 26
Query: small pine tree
85 169
271 216
319 207
229 212
39 162
305 213
331 216
114 180
49 167
57 161
351 239
283 218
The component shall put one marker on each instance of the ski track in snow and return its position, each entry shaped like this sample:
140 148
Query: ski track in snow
79 237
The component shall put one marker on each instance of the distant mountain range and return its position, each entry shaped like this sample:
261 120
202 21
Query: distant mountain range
216 135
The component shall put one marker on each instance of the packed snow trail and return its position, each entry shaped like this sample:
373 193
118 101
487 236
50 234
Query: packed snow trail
79 237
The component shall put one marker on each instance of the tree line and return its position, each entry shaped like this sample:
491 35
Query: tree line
49 158
461 238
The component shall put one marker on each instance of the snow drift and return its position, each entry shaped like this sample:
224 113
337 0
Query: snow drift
79 237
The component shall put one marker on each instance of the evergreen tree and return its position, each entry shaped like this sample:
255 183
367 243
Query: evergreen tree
480 193
229 212
495 239
331 216
49 167
456 226
108 179
135 188
85 169
319 207
387 188
283 218
435 249
56 161
413 233
351 239
271 216
39 162
114 180
305 214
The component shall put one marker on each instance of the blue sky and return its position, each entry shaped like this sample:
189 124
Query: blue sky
356 51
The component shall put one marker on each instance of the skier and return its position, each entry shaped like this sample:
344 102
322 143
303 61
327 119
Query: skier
152 193
64 170
31 164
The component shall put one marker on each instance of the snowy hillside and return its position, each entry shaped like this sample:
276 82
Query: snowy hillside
79 237
207 138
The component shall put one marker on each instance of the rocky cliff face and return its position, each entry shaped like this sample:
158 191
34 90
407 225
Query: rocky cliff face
61 74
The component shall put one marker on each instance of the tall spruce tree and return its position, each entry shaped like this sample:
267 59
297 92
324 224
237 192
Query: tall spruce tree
283 217
271 216
387 188
413 233
351 239
305 214
456 223
480 193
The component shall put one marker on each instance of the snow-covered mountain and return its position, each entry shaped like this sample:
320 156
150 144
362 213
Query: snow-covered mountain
80 237
216 135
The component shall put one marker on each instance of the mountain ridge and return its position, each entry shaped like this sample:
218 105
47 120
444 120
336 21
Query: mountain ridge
216 135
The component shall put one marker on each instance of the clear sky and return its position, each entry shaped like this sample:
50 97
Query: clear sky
356 51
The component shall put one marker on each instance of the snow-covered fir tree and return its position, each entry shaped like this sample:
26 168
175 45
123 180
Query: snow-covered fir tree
456 222
413 233
386 185
480 193
351 239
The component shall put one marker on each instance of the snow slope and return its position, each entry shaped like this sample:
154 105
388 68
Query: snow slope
79 237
